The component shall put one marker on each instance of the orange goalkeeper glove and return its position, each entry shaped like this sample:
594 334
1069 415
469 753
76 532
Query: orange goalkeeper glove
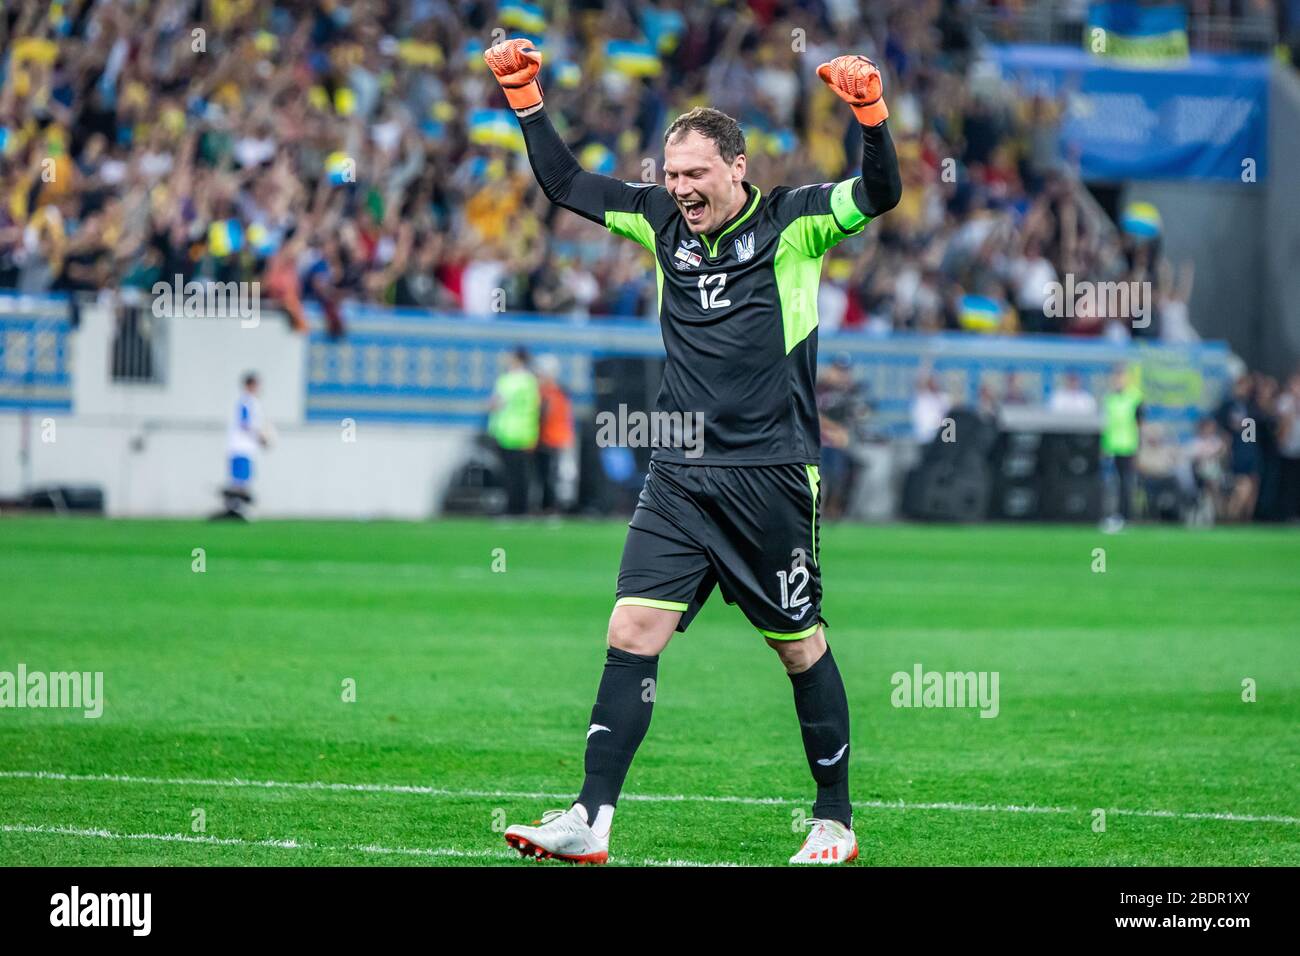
515 64
856 81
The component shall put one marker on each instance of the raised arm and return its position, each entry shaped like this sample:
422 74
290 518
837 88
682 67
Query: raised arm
635 210
819 216
856 80
567 184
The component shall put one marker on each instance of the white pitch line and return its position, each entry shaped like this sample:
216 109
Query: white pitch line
103 834
421 790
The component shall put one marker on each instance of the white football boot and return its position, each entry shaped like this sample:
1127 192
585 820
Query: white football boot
829 843
564 835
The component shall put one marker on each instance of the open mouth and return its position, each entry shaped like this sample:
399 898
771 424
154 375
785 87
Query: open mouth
693 210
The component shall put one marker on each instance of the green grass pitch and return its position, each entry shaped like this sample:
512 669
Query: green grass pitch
1119 690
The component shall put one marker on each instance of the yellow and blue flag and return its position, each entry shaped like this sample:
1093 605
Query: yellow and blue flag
495 128
527 17
1141 220
1127 31
979 313
632 58
225 236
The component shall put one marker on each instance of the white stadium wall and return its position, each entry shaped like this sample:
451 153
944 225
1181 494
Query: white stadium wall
160 449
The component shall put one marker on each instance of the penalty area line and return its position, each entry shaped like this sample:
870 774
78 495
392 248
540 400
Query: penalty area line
428 791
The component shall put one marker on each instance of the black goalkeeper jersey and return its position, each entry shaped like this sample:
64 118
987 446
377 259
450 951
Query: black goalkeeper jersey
738 308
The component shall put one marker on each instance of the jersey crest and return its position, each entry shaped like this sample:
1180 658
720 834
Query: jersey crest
745 247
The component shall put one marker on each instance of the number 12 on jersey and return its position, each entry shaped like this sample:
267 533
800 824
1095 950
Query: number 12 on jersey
709 297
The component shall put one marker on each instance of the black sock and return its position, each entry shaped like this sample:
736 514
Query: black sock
619 721
823 710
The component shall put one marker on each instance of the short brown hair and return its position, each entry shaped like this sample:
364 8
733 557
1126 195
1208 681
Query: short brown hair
711 124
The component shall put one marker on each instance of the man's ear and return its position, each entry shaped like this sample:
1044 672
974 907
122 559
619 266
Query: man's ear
738 168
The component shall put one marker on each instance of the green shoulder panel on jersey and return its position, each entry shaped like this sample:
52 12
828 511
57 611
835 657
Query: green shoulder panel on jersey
797 278
827 221
820 219
636 227
850 218
633 225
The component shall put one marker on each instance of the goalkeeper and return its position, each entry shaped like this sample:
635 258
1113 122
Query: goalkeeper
735 505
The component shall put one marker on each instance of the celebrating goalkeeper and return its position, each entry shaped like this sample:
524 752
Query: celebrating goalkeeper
738 272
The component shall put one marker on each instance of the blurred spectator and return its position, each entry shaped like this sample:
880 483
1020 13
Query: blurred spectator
842 411
1120 441
1013 392
1239 416
1032 275
1268 502
1171 305
1158 462
1288 420
556 436
930 407
513 423
1207 453
1072 398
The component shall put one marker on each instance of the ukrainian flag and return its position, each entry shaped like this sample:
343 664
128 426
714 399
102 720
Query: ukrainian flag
785 140
263 241
632 58
225 236
1141 220
1137 33
419 53
567 74
773 142
979 313
527 17
340 168
495 128
597 158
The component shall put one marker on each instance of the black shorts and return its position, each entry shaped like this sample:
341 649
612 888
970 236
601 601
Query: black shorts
752 530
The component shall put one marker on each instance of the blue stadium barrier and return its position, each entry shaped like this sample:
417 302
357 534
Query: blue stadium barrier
412 366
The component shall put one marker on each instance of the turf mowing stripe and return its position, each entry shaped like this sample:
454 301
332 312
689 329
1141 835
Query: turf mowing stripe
427 791
300 844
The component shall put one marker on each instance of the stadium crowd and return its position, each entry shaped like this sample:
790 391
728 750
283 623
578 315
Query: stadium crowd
358 150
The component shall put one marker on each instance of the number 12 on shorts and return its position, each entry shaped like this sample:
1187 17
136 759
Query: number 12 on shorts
792 584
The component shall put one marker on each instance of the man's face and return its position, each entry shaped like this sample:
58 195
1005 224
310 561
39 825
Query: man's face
706 187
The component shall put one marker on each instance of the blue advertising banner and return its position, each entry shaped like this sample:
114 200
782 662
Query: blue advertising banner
35 354
405 366
1205 118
